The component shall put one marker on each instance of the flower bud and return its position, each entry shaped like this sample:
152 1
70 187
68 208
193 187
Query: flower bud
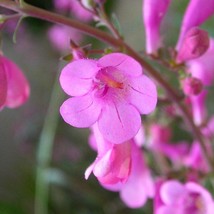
192 86
195 44
14 87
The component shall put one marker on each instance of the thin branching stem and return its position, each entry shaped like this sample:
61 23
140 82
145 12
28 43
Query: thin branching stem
33 11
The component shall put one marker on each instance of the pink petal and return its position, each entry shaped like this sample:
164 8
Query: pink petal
119 123
194 187
3 85
143 94
77 77
202 67
115 165
18 87
60 36
170 191
203 11
121 160
139 185
102 145
102 166
80 112
153 13
140 137
89 170
113 187
122 62
199 109
169 210
133 196
195 43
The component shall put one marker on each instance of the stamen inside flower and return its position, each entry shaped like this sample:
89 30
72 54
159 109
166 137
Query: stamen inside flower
193 203
109 80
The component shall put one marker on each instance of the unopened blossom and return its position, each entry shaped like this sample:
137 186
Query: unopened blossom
191 86
196 13
178 198
195 43
14 87
202 69
153 13
111 91
75 8
60 36
122 168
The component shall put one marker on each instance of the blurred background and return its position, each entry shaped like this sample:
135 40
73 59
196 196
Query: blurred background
21 128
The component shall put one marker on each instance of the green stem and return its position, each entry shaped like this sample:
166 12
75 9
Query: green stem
45 146
32 11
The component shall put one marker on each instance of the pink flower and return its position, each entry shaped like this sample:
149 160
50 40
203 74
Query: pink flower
195 44
195 159
121 167
153 13
191 86
196 13
202 68
14 87
177 198
75 8
111 91
160 143
60 36
199 109
139 186
113 162
208 130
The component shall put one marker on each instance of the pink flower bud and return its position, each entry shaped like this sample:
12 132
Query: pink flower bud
195 44
192 86
197 13
14 87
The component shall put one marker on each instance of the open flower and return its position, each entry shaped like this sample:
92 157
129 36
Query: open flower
14 87
111 91
175 197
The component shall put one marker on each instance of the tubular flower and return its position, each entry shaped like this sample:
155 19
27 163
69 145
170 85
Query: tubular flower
113 162
175 197
203 11
14 87
202 69
111 91
153 13
121 167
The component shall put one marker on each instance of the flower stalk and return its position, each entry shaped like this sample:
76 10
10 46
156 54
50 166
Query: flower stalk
32 11
44 152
